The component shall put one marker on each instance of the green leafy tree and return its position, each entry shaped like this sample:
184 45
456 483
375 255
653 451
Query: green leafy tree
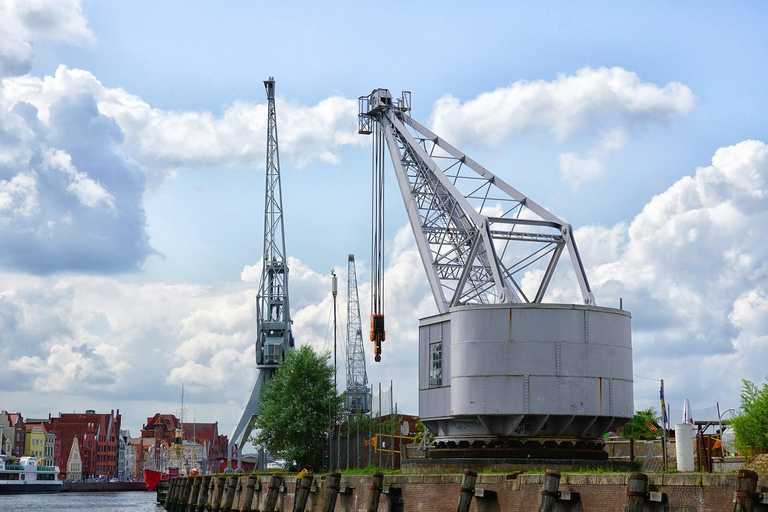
641 425
751 425
293 417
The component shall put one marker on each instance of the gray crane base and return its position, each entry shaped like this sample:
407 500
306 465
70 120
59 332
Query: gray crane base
513 372
506 465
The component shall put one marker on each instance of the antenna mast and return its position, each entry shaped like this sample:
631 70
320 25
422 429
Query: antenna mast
272 304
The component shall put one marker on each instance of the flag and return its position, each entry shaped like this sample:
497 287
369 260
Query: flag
663 406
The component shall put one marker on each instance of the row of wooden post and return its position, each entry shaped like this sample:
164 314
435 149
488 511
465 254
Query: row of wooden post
217 493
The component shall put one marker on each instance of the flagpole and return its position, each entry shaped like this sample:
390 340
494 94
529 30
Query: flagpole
663 428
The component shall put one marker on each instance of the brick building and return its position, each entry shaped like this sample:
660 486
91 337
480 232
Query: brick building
15 433
207 435
159 434
98 441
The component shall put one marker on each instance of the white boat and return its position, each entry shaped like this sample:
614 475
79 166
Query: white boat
26 476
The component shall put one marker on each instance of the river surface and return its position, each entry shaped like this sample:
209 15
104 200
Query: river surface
136 501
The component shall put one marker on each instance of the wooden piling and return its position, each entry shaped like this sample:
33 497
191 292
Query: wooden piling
205 493
192 503
746 491
331 492
172 485
239 494
377 483
162 491
303 484
218 493
637 490
549 492
245 505
467 490
230 489
272 493
181 503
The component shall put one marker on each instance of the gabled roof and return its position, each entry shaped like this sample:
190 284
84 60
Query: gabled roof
201 432
169 421
14 418
46 428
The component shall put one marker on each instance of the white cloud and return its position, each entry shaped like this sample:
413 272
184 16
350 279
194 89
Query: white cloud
163 140
22 22
89 192
71 149
691 269
252 273
58 178
604 103
18 197
76 336
578 169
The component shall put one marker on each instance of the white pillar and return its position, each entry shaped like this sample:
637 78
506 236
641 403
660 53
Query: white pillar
684 447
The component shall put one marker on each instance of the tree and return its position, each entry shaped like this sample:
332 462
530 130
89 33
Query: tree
751 425
642 425
293 417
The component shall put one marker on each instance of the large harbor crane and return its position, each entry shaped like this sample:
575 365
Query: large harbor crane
498 365
358 392
274 336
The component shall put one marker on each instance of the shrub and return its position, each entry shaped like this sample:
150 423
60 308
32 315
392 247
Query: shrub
751 425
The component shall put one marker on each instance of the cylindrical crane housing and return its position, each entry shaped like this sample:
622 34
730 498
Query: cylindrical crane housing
488 372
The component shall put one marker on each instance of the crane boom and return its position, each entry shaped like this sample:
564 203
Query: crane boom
478 237
274 336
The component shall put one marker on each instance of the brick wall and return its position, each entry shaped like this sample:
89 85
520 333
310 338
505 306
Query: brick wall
440 493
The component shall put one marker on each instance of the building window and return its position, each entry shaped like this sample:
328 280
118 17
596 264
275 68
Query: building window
436 364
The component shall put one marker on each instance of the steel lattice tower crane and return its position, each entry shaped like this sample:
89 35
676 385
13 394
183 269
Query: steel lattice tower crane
358 393
272 304
498 365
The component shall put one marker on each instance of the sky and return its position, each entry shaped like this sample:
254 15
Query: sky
132 154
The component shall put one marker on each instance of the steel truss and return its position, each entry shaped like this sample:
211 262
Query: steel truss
481 240
358 392
272 304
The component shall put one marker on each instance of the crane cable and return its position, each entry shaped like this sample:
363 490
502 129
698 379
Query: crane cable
378 334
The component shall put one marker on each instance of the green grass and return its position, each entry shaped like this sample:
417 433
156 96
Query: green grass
369 470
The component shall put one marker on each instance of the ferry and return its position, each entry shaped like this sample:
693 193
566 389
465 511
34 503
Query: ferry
26 476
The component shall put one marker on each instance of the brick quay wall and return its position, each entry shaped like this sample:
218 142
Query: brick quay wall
604 492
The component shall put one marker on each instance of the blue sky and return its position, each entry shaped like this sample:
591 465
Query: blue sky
131 180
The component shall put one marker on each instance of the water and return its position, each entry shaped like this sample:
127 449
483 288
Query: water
137 501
